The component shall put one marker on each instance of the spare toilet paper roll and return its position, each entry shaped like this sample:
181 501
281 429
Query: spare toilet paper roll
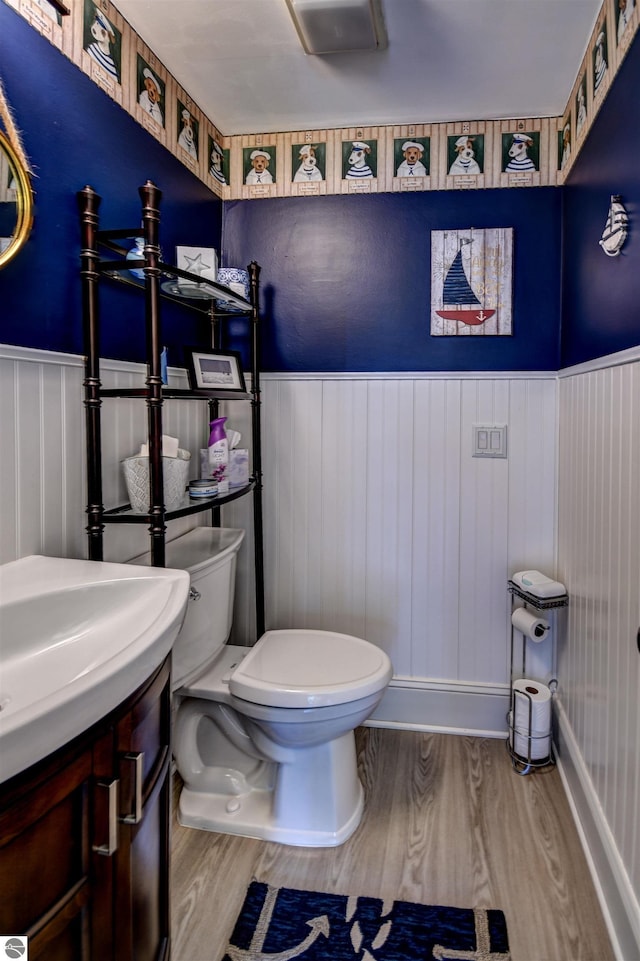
531 626
530 735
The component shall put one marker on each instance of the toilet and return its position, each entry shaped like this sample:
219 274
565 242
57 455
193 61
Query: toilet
263 736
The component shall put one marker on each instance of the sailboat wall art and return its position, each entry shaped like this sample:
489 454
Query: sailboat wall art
472 282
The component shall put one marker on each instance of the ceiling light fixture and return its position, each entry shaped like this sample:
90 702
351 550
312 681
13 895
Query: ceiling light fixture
338 26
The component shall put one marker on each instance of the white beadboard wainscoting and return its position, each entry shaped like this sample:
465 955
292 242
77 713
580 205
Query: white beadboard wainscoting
598 701
43 462
379 522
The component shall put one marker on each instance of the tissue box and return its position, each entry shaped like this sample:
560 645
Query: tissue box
238 467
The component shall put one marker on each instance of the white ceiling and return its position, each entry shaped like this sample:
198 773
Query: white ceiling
242 63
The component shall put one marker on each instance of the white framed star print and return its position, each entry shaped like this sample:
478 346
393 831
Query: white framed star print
201 261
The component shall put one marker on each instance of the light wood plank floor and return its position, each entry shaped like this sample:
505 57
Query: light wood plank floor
447 821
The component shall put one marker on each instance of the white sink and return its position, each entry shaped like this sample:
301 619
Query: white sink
77 638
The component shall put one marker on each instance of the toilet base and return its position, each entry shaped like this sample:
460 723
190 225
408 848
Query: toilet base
209 812
317 801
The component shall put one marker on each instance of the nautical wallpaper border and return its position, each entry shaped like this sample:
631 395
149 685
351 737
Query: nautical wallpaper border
467 155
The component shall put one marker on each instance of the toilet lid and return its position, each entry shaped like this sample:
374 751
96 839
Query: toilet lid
310 669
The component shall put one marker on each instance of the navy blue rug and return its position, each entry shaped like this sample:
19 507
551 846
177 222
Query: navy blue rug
279 924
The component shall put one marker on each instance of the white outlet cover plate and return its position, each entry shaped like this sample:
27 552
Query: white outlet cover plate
489 440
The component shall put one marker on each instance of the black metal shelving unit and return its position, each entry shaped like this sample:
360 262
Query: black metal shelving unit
95 268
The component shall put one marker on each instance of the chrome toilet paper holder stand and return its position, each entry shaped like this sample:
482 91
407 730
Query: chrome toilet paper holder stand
527 764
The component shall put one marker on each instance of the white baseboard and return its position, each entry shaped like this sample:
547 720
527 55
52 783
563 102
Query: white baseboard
443 707
617 899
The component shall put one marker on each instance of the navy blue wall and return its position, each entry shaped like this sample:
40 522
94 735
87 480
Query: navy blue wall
601 295
347 279
74 135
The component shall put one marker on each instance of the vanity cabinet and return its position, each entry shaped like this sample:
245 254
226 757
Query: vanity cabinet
162 283
84 841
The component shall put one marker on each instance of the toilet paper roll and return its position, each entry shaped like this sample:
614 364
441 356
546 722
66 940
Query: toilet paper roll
531 626
530 719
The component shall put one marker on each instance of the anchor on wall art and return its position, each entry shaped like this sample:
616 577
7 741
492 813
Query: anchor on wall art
471 278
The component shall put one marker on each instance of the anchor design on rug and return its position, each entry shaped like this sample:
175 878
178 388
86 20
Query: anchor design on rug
483 950
282 924
319 926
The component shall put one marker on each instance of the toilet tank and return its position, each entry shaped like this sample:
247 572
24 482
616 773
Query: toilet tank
209 555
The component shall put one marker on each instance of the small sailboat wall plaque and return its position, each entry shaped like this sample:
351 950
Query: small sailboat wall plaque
471 272
615 229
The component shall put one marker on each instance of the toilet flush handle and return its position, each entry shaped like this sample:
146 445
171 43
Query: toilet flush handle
194 595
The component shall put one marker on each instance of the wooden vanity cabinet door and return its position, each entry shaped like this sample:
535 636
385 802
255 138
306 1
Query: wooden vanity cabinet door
142 861
103 921
84 840
45 858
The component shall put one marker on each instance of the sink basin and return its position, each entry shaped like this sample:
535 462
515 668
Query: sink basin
77 638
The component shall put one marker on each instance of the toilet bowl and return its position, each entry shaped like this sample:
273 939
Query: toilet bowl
264 736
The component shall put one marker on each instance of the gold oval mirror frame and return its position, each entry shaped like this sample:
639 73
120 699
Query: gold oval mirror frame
15 191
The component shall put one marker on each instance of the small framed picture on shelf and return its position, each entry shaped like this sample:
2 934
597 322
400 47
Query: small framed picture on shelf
215 370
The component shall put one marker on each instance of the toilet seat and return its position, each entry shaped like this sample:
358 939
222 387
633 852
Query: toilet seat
297 669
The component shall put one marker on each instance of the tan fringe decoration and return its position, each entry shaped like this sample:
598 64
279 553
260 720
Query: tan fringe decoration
12 131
